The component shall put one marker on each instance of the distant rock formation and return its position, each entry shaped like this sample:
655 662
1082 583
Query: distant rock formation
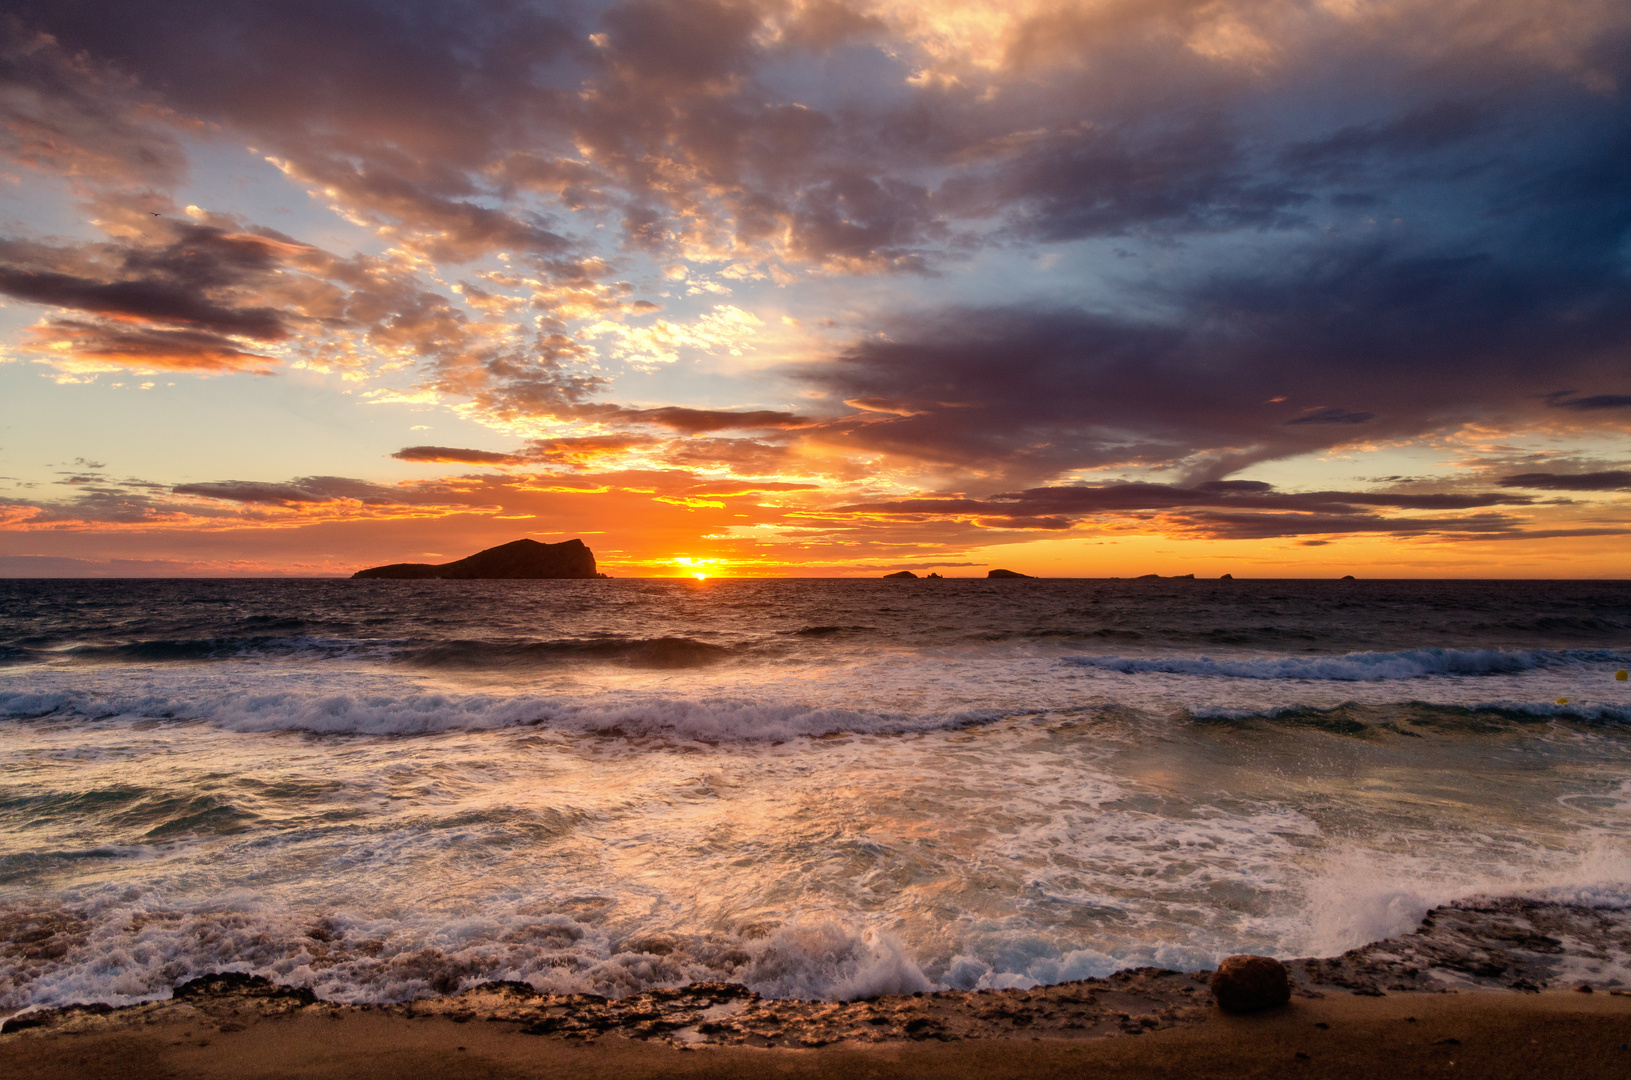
1227 577
933 577
901 574
1006 574
518 560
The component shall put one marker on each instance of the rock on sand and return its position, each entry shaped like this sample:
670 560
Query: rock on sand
1248 984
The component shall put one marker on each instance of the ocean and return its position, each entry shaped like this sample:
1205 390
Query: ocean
822 789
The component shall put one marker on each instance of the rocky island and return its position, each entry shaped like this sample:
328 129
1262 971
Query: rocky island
518 560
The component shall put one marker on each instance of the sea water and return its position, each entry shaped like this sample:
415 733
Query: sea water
820 788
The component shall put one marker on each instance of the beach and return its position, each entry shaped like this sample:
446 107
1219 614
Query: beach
1488 1035
1460 993
758 824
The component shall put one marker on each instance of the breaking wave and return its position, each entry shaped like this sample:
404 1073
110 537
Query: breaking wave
707 719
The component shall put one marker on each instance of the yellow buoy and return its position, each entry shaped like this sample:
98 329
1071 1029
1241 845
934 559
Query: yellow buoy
1562 701
1620 675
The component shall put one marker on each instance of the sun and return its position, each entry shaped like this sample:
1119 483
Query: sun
698 569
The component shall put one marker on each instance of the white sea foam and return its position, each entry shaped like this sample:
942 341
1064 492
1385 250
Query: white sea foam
1356 667
1361 895
709 719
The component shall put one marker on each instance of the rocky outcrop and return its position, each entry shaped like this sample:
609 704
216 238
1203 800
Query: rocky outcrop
519 560
1248 984
901 574
1006 574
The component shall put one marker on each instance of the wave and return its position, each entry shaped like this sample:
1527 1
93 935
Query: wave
456 654
1354 718
350 957
827 631
705 719
1358 666
125 945
662 652
13 654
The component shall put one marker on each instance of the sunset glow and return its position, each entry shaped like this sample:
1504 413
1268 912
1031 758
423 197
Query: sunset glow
818 288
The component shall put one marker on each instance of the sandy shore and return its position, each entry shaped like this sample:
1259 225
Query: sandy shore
1473 1034
1491 989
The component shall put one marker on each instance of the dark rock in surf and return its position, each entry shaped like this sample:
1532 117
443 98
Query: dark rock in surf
1227 577
1248 984
519 560
901 574
1347 577
1006 574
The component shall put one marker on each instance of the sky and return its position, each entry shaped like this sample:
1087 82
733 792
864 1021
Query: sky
811 287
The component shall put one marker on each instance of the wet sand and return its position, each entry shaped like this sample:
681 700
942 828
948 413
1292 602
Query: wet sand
1471 1034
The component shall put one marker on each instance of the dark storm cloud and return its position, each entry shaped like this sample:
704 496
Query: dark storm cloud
1609 480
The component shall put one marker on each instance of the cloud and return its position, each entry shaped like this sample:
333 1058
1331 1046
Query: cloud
699 421
1332 416
1594 402
1608 480
1239 364
72 345
149 301
1190 509
453 454
248 492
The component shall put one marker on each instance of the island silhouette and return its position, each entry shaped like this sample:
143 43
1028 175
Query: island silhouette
517 560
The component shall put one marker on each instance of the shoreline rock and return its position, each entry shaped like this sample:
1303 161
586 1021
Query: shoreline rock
1249 984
